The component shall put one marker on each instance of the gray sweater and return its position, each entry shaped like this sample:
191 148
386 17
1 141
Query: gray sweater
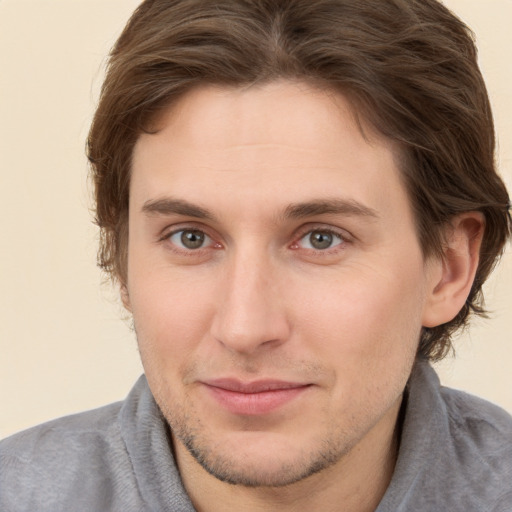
455 455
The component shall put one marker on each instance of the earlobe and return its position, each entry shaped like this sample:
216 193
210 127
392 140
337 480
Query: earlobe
455 272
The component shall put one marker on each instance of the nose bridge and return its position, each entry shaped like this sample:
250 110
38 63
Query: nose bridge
250 312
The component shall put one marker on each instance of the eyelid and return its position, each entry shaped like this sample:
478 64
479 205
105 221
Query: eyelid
205 242
326 228
169 231
165 234
321 255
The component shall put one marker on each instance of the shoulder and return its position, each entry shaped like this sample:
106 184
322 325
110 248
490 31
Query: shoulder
114 458
478 424
78 462
481 449
455 451
44 465
70 434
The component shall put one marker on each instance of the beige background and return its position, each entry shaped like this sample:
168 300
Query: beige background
63 345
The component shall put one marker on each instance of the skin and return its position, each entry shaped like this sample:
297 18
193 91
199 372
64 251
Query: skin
257 178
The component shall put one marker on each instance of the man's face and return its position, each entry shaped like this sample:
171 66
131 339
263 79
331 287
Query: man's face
275 279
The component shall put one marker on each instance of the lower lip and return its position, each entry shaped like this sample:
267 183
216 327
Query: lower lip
253 404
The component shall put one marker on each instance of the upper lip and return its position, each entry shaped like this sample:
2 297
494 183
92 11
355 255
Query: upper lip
258 386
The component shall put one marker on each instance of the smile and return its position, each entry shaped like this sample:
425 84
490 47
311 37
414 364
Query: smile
255 398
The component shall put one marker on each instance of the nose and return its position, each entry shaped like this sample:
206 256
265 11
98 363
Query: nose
251 310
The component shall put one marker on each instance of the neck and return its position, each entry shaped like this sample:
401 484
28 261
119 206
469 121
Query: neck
356 482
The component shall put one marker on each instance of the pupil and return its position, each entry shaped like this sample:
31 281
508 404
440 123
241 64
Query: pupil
320 240
192 239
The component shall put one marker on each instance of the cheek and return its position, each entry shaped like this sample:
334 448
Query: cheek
171 315
368 317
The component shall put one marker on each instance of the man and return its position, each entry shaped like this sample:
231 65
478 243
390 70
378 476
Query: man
299 203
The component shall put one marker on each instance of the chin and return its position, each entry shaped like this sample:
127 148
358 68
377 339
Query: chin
256 459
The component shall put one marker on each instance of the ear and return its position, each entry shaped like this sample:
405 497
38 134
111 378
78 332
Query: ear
454 273
125 297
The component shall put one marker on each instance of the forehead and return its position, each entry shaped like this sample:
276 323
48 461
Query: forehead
241 115
286 141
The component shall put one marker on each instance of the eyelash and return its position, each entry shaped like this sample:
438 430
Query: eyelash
167 237
308 231
343 237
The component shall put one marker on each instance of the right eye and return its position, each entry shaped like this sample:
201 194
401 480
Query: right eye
190 239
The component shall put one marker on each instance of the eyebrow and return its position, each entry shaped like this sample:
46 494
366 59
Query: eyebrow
329 206
170 206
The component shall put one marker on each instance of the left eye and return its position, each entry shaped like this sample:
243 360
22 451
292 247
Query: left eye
320 240
190 239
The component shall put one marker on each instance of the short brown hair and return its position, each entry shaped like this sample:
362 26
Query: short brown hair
408 66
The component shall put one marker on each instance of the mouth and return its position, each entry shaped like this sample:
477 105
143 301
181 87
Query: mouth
254 398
